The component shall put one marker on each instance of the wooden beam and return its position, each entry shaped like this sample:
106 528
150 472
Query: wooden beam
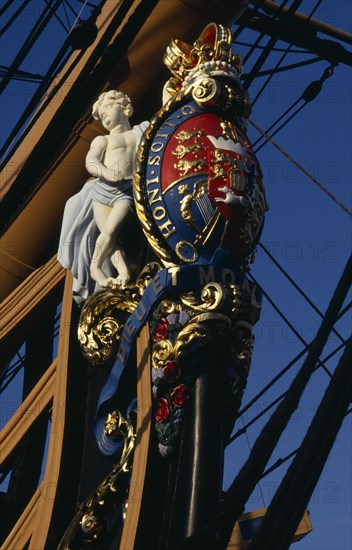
314 24
41 523
144 400
17 427
22 306
34 522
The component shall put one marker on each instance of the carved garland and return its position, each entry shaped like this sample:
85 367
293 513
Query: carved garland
179 330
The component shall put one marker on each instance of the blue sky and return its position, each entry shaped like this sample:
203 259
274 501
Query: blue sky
306 232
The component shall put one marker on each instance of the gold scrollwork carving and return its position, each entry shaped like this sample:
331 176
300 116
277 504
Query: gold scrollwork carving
195 334
87 522
243 342
212 298
146 275
162 350
206 90
221 309
167 307
205 322
98 329
91 527
225 298
192 334
113 424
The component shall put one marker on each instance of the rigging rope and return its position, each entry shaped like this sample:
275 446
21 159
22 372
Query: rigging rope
310 176
66 14
245 17
289 324
250 448
309 94
12 19
278 120
22 75
66 3
276 70
290 365
283 372
87 3
57 17
79 14
42 88
240 43
11 372
278 463
298 288
245 427
271 43
291 498
288 49
245 481
34 34
6 381
5 6
55 68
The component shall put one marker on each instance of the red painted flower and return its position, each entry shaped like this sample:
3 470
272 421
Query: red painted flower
162 409
179 395
171 370
161 329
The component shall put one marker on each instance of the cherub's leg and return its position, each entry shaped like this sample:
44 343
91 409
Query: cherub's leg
103 244
118 260
114 225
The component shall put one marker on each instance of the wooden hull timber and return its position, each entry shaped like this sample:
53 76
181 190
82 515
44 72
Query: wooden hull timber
51 391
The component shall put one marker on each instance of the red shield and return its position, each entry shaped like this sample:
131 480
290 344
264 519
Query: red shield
208 146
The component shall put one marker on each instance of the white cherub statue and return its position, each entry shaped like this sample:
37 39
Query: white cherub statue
104 203
110 159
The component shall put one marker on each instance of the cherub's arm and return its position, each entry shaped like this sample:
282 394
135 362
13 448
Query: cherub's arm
94 161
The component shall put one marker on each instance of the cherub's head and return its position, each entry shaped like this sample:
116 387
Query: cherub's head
112 108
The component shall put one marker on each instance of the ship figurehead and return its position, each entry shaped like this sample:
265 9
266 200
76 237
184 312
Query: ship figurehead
199 196
198 185
200 199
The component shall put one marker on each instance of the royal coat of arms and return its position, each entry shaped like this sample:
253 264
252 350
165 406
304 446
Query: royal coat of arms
199 187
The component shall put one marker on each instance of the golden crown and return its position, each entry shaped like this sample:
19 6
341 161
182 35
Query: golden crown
210 55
